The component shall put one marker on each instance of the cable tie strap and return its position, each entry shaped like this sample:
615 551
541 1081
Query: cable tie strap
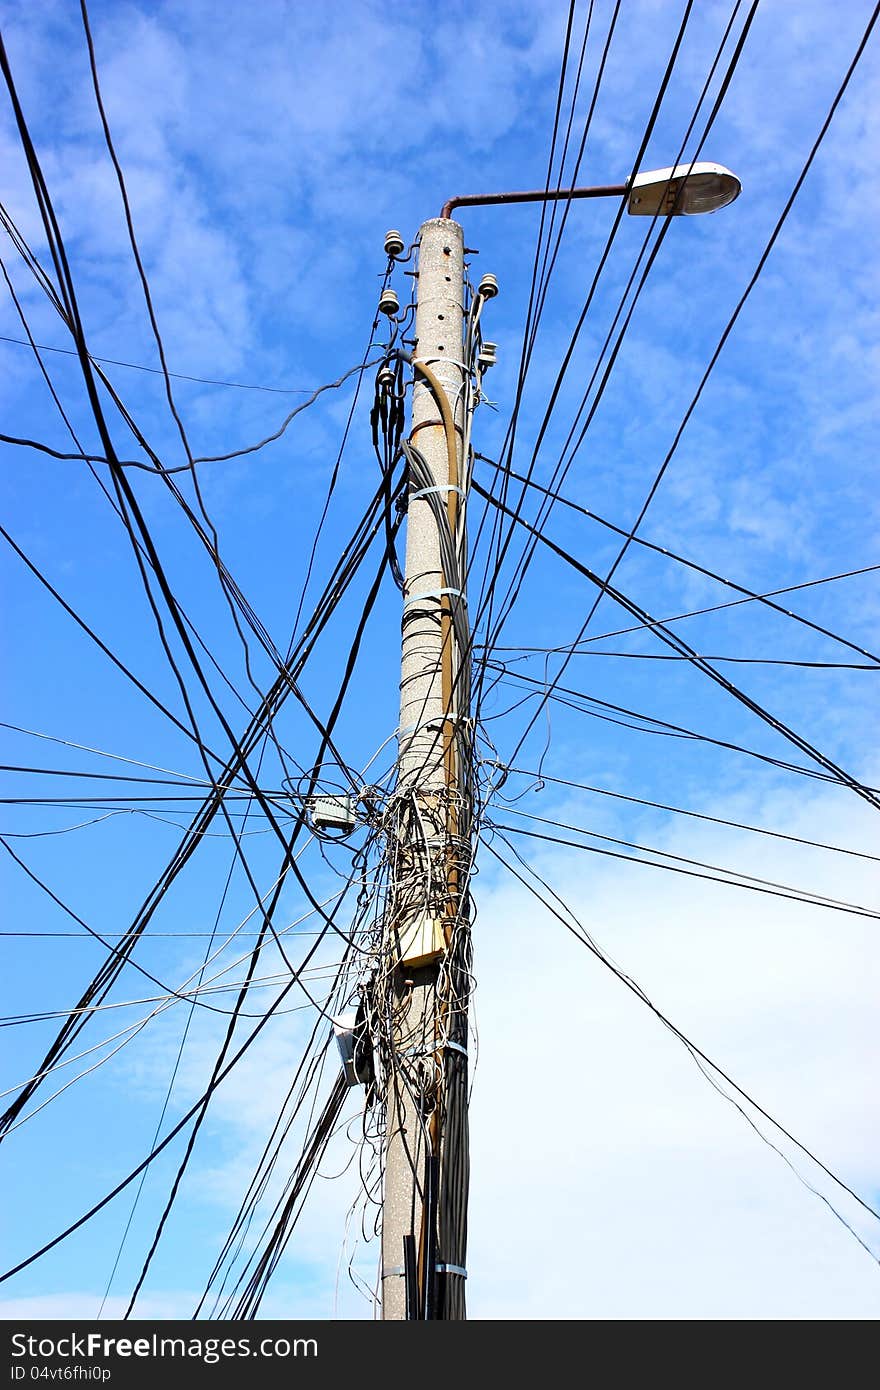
451 1269
434 593
457 1047
389 1271
438 487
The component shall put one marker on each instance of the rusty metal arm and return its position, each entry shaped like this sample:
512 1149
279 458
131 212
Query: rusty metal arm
537 195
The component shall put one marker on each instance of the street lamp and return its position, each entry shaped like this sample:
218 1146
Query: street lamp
684 190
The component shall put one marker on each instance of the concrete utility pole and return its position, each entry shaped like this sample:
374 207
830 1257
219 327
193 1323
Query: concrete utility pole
427 932
419 1005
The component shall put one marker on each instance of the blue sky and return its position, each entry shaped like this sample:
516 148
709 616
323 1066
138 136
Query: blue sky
266 152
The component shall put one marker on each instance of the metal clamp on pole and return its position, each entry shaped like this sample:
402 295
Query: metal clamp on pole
438 487
434 593
408 729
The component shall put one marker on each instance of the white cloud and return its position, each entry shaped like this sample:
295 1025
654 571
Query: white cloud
610 1179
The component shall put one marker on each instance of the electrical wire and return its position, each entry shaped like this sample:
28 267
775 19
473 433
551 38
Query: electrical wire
753 884
738 660
270 704
660 727
751 595
671 639
696 815
157 371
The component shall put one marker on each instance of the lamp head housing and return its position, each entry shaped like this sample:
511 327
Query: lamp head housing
684 190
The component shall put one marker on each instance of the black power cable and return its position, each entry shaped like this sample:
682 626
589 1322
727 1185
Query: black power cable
724 875
678 644
696 815
347 565
650 724
750 594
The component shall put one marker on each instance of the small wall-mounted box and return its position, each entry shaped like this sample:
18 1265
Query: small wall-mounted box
333 813
354 1046
421 940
